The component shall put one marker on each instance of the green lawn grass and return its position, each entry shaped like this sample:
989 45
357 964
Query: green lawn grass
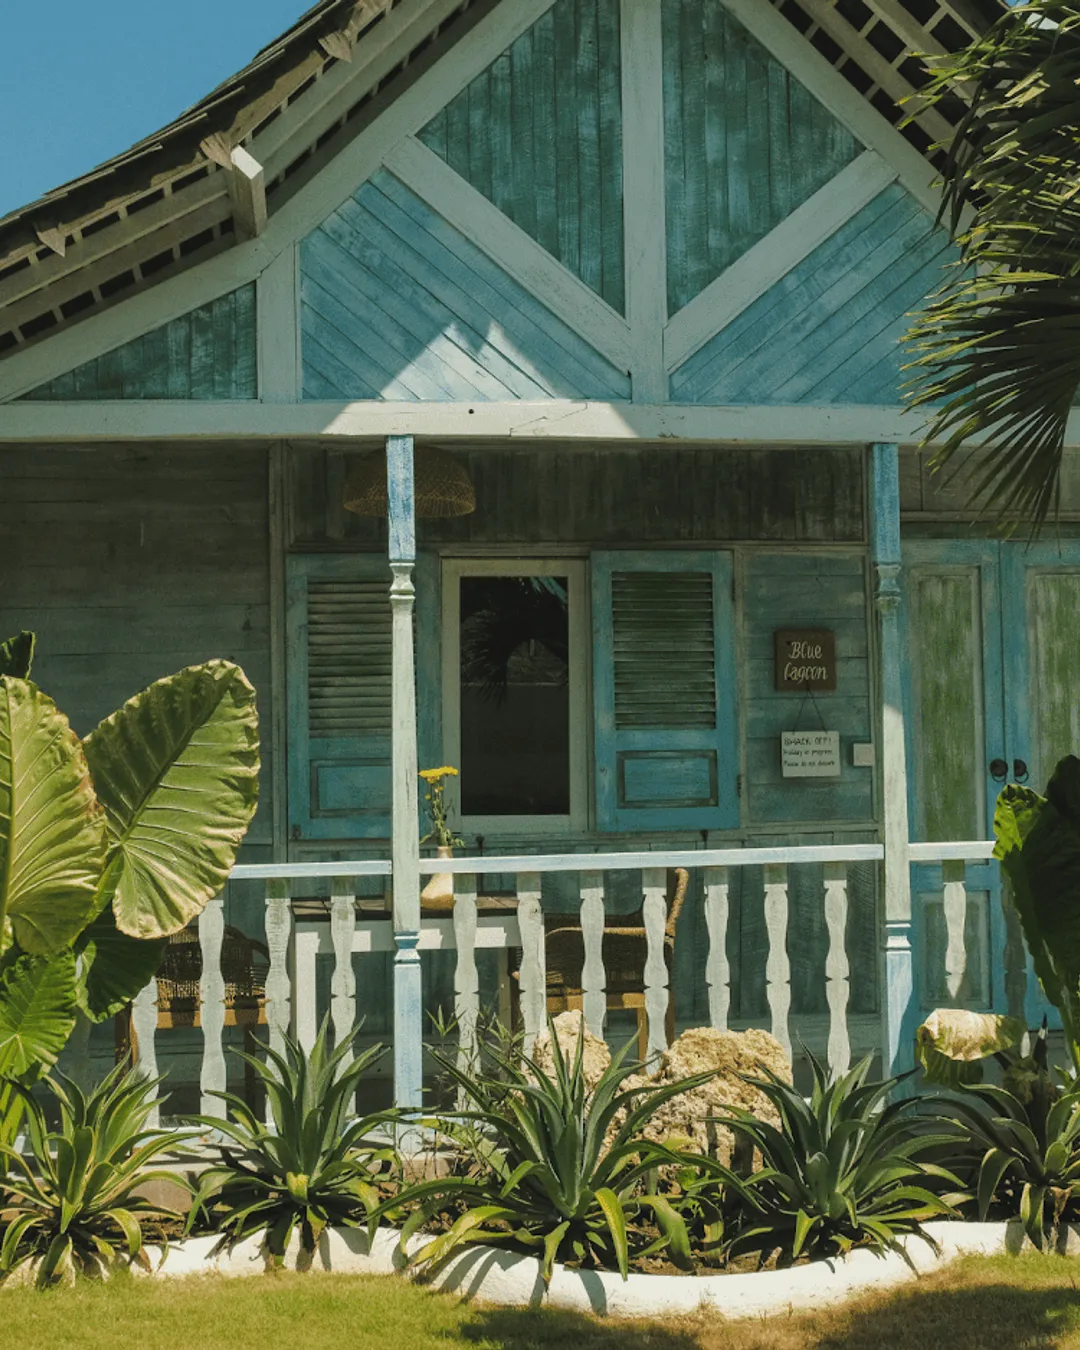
1026 1303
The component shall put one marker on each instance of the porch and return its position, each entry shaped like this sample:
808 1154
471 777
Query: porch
966 953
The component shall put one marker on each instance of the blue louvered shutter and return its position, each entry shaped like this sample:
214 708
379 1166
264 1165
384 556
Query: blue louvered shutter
664 691
339 682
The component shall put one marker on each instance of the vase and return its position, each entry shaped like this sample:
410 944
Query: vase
438 894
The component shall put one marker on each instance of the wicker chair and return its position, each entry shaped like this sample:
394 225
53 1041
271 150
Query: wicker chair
624 953
244 963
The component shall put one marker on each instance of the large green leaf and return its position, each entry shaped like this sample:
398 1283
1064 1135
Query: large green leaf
37 1011
177 770
952 1041
17 655
1038 843
113 967
52 827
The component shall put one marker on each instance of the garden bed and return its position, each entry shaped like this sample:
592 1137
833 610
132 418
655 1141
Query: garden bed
505 1277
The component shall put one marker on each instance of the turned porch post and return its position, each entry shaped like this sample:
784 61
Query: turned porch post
405 821
899 1002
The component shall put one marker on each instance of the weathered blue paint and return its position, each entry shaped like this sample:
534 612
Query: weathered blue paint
207 354
539 133
401 499
682 751
745 143
828 332
818 590
900 1005
339 787
397 304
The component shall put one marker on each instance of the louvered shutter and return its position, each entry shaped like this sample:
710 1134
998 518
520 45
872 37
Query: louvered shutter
664 691
339 697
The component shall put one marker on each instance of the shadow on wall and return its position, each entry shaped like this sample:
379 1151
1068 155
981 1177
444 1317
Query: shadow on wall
930 1316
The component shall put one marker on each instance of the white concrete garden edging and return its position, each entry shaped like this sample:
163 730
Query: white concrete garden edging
504 1277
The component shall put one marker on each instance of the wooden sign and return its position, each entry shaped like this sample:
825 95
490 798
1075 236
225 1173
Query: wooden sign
806 659
810 754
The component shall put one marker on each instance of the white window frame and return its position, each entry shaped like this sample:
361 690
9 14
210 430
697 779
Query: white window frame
453 569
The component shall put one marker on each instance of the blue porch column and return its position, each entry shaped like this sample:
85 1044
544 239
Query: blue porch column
405 822
898 1049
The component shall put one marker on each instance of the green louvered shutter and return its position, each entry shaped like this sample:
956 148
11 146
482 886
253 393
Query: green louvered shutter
339 697
664 691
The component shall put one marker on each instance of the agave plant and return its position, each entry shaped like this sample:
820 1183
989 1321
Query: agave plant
315 1166
1026 1136
73 1205
845 1168
110 844
560 1168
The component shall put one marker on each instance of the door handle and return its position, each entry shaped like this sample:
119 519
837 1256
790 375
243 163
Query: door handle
999 770
1020 771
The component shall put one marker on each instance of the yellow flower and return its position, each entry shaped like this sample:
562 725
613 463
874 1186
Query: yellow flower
436 775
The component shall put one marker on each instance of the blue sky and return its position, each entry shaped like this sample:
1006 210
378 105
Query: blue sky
82 80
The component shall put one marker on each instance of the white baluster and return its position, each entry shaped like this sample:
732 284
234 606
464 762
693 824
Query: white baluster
278 984
144 1015
777 967
717 969
837 988
466 976
343 980
593 977
533 957
212 1079
654 914
954 901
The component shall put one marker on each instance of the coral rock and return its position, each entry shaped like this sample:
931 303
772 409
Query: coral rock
682 1120
595 1058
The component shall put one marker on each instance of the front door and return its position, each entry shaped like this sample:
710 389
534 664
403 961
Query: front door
994 642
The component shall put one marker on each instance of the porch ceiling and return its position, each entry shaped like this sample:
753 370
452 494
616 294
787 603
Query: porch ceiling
175 198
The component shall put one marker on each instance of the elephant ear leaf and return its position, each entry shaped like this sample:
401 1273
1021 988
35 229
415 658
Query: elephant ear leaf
17 655
37 1011
52 827
177 771
951 1043
113 967
1038 843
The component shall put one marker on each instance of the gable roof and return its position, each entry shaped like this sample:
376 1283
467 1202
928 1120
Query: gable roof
189 192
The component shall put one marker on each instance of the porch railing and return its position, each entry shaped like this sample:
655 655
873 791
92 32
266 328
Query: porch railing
295 941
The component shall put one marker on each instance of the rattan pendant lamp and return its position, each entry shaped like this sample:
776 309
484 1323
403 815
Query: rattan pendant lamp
442 486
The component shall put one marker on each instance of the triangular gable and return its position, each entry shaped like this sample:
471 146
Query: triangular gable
396 303
208 353
745 144
830 330
539 133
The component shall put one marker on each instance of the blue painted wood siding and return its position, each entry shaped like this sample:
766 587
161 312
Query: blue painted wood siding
207 354
811 590
745 143
539 133
829 331
397 304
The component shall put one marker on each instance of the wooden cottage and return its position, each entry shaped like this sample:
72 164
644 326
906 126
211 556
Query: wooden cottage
637 273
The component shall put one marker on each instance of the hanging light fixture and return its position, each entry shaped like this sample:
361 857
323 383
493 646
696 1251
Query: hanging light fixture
442 486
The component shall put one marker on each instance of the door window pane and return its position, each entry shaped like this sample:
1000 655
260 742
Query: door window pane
515 696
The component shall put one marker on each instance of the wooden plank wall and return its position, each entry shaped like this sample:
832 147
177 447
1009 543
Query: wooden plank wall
745 143
561 494
207 354
398 304
539 133
829 331
806 590
131 563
